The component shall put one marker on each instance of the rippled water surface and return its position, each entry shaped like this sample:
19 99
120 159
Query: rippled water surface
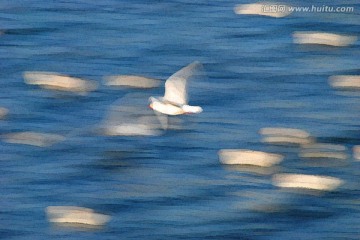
172 186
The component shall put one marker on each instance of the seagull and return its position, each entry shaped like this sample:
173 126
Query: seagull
175 99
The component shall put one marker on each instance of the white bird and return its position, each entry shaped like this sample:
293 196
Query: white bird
175 99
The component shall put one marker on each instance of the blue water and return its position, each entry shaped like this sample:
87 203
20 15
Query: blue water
172 186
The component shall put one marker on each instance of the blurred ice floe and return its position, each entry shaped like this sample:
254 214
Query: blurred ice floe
347 82
131 81
285 136
56 81
249 157
304 181
269 9
321 150
33 138
130 116
3 112
75 215
356 151
323 38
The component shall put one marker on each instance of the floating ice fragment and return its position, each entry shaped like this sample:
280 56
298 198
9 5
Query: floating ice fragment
286 140
75 215
33 138
350 82
3 112
249 157
285 136
55 81
322 150
325 146
131 81
303 181
323 38
269 9
292 132
319 154
356 151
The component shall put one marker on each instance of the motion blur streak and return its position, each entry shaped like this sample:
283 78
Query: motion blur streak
130 116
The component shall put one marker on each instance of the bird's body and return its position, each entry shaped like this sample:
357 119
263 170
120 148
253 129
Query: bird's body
164 107
175 99
168 108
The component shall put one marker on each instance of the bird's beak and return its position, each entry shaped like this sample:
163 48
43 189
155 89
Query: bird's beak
151 106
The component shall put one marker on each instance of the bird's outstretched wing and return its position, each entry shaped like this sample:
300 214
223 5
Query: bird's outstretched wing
176 84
